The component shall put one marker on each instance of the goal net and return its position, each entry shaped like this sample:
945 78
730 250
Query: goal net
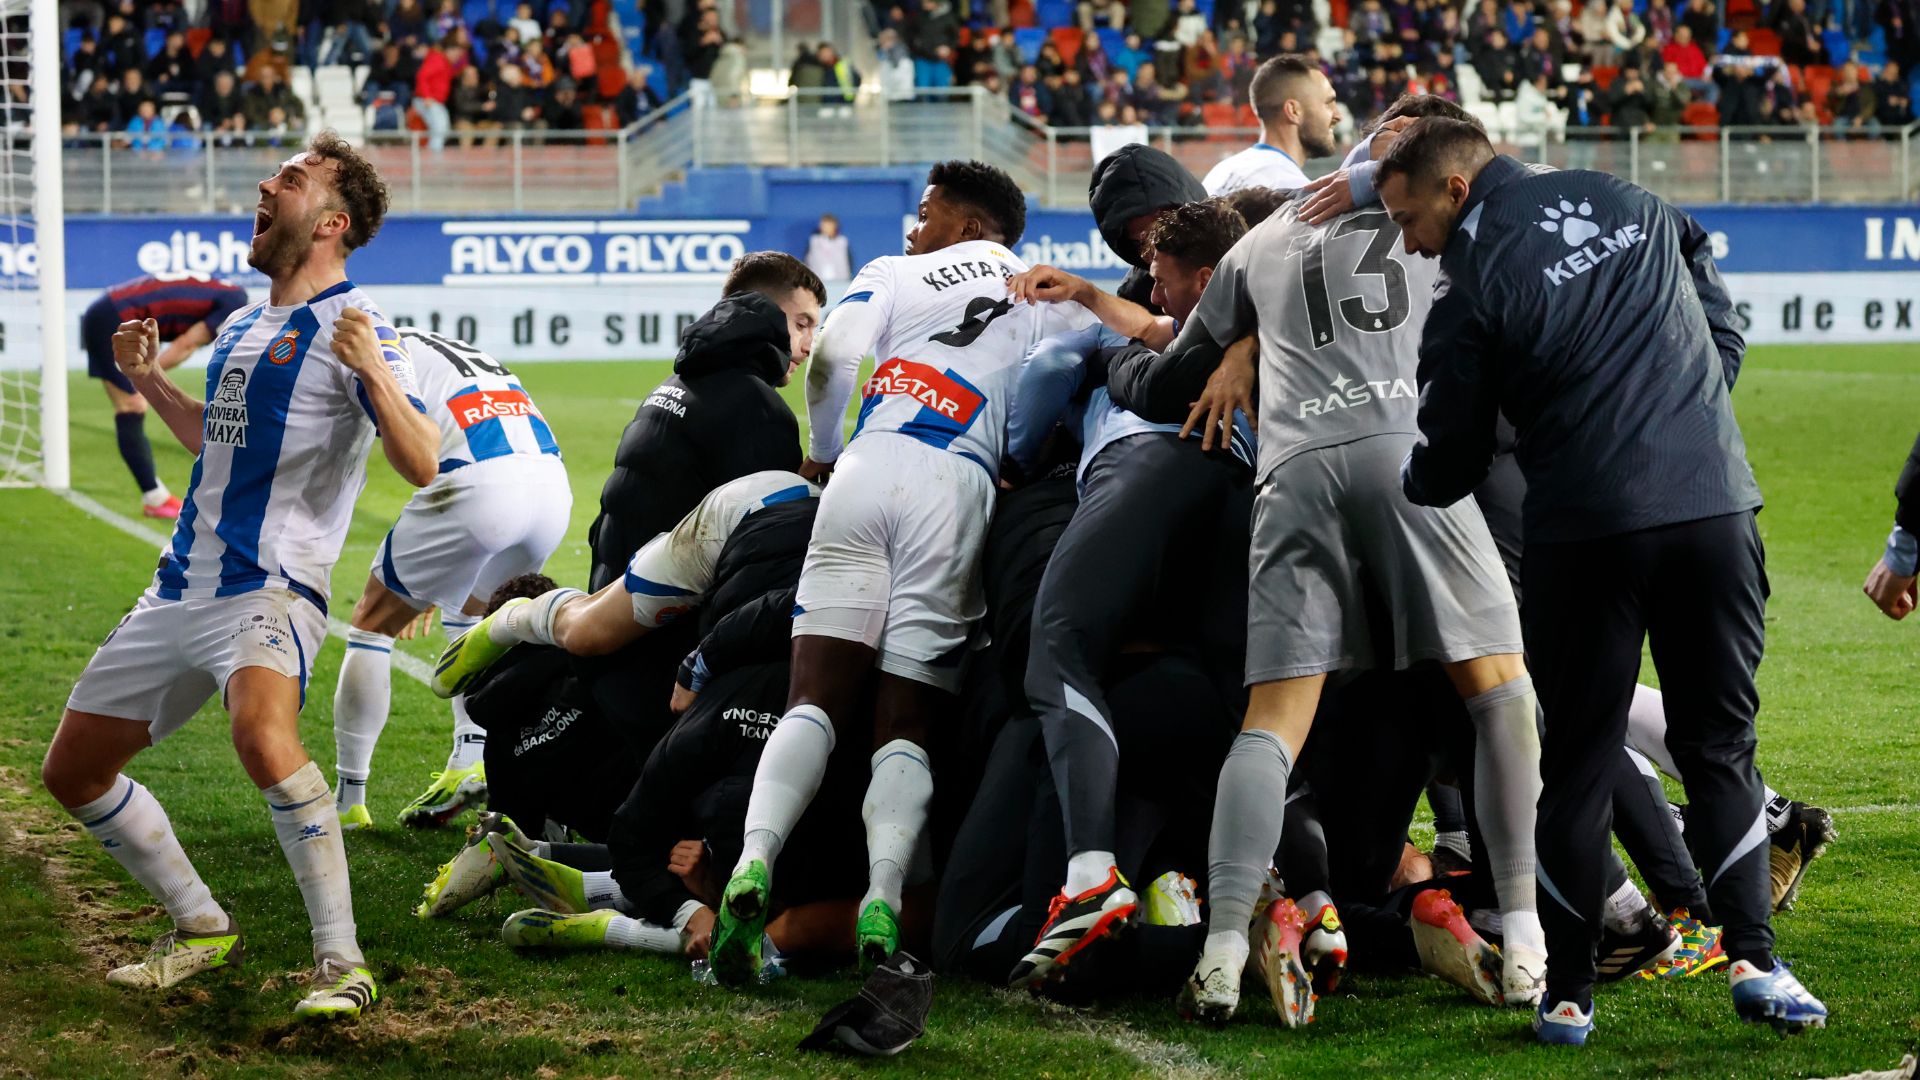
33 315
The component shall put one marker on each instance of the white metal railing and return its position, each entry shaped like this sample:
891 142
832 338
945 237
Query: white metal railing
564 171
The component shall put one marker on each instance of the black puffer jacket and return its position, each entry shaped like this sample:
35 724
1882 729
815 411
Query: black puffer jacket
718 418
1908 492
1131 181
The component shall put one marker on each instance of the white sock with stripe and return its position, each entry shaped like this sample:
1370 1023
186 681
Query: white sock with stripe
896 814
469 738
638 934
531 623
309 829
361 702
130 823
789 774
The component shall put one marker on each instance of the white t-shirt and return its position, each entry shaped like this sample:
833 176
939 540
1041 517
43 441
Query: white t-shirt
286 432
1259 165
948 342
480 407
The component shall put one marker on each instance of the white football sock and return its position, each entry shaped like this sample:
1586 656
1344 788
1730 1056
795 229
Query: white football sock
158 495
789 775
1647 733
531 623
469 738
626 933
1088 870
1625 909
1523 929
309 829
129 822
361 702
1506 786
895 811
604 892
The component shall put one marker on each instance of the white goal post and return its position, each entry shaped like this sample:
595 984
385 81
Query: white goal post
33 308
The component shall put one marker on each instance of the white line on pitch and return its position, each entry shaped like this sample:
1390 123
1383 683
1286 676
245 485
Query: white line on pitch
406 663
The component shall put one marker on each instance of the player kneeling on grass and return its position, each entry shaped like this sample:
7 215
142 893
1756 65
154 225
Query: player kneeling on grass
496 511
299 387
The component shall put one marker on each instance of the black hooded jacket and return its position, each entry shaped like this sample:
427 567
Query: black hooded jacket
718 418
1127 183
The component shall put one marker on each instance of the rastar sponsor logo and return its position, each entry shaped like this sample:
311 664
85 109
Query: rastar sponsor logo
1349 394
477 406
932 388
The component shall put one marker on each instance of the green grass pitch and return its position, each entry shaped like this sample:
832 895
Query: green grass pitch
1826 428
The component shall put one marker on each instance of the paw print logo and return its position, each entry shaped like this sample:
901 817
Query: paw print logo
1573 223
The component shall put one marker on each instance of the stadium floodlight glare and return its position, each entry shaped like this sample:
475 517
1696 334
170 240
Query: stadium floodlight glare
33 308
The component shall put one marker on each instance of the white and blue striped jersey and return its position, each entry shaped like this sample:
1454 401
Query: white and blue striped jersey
482 410
286 432
948 342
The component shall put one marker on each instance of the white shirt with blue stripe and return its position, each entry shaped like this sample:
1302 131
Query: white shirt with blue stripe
286 428
1259 165
480 407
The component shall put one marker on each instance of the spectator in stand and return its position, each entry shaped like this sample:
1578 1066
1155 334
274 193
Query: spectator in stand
1782 101
1893 100
407 23
1486 18
215 57
1660 22
99 108
807 73
1188 24
1158 103
1093 13
1534 104
1685 57
1131 54
446 16
1493 62
433 88
1029 94
1072 104
1852 103
1702 20
1369 21
473 107
1539 58
896 66
220 108
562 111
701 49
635 100
1518 20
1119 89
275 23
828 255
1625 32
976 59
1006 55
1095 66
86 63
1742 93
122 45
1050 62
1901 20
1201 70
1667 99
937 29
516 105
1440 35
1737 45
1800 42
524 22
147 129
348 35
171 71
391 73
539 70
1237 65
267 96
1592 30
1267 28
133 91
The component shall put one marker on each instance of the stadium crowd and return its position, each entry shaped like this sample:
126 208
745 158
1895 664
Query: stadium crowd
1630 63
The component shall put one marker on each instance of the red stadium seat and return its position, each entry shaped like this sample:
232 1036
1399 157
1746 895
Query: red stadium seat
1245 117
1603 76
197 39
1819 84
1763 42
1219 116
1699 114
1020 14
1067 40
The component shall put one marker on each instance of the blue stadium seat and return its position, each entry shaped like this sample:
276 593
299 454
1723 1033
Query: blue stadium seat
1204 7
657 82
1726 35
70 41
633 26
239 54
1052 13
156 40
1111 40
1839 48
473 11
1028 40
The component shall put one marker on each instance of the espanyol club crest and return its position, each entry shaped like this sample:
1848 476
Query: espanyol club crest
281 351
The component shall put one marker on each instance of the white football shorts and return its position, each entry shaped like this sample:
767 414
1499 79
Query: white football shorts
671 573
474 529
894 562
167 657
